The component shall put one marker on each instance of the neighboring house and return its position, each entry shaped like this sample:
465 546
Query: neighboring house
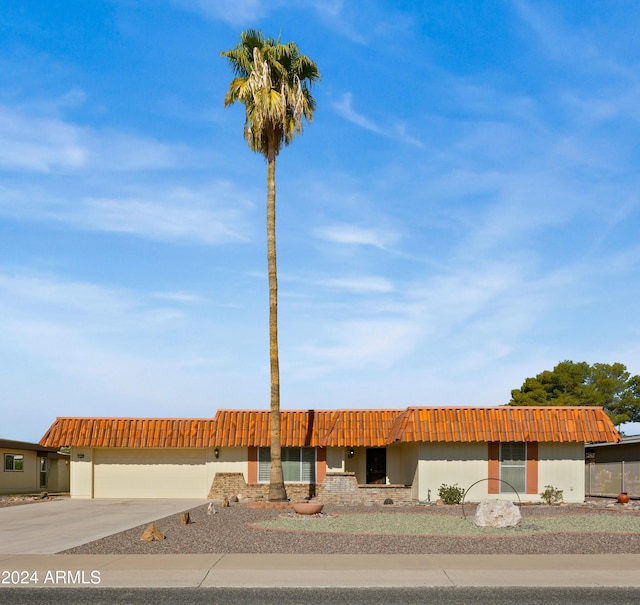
613 468
337 455
30 467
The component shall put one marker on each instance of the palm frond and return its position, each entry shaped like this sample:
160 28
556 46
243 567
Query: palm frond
273 81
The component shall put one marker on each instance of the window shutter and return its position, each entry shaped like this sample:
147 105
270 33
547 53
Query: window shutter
532 468
494 466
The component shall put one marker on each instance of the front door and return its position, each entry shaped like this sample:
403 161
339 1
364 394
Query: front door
376 465
44 471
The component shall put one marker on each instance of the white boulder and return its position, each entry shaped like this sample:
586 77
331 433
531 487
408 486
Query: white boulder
497 513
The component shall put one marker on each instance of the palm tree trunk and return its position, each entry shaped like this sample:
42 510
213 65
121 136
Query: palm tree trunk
277 491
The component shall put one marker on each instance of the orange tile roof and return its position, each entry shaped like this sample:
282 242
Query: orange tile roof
131 432
298 428
364 428
504 423
340 428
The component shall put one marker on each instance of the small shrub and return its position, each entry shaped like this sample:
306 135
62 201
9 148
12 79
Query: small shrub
451 494
551 495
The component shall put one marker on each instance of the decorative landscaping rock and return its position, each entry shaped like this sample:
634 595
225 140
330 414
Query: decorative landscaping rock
152 534
497 513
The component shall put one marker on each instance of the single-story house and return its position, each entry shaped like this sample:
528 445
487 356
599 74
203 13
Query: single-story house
337 455
613 467
29 468
627 449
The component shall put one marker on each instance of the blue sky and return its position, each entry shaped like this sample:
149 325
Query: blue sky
462 213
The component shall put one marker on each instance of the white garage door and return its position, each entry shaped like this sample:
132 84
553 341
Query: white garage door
150 473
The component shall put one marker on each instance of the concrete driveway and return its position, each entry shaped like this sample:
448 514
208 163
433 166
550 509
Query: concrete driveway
51 526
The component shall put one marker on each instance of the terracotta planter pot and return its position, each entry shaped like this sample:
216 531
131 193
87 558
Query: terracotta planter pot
307 508
623 498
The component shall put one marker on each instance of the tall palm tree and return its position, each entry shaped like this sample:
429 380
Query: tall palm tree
272 80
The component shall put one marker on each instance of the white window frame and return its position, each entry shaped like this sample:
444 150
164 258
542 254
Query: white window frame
291 457
10 463
511 463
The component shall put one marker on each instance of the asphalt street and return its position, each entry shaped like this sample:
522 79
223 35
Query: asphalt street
321 596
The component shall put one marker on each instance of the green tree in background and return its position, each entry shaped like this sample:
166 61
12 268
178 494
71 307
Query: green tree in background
273 83
609 386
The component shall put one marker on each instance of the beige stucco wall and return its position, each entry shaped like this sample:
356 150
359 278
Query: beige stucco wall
81 472
20 482
149 473
450 463
562 466
357 464
59 473
402 462
336 459
230 460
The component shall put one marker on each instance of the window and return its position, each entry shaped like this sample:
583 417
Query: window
298 464
13 462
513 467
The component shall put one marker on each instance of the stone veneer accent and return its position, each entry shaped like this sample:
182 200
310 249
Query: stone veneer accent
337 488
342 488
233 484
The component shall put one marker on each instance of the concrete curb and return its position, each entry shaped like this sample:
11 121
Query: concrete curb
248 570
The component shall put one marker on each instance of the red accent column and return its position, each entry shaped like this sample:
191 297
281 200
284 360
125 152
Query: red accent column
532 468
494 467
321 464
252 457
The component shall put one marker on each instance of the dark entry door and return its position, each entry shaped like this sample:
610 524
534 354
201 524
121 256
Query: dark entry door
377 465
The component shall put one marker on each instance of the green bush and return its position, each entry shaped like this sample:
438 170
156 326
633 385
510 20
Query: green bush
551 495
451 494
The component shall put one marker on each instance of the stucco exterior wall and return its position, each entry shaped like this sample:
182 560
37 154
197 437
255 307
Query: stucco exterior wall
335 459
149 473
450 463
24 481
58 475
357 464
81 472
402 463
230 460
562 466
189 473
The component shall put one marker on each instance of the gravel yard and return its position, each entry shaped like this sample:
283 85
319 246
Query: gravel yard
384 529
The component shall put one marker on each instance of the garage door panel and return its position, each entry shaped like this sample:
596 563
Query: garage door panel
161 473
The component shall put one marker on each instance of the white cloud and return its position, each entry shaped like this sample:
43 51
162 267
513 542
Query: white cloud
360 343
158 220
398 131
186 298
580 47
345 109
234 12
214 214
362 285
39 144
36 142
354 235
78 300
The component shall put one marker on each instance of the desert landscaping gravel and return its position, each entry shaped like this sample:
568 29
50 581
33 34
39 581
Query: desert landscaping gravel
383 530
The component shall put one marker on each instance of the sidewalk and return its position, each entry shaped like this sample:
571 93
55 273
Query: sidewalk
247 570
